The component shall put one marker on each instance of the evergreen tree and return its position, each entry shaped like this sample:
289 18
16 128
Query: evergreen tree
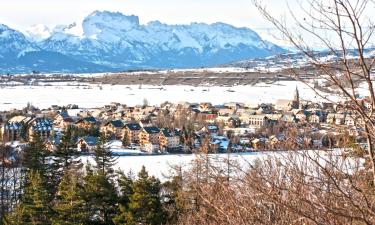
125 183
69 202
145 205
100 197
34 207
36 156
65 157
125 140
103 158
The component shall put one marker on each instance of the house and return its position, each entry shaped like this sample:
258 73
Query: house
52 143
113 128
168 140
226 111
315 117
42 127
12 131
86 123
15 128
151 148
257 121
132 130
149 135
86 144
63 120
284 104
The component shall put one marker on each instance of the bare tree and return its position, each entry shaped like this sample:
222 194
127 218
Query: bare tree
344 28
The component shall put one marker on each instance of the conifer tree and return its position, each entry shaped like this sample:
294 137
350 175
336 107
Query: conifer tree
36 157
100 197
69 202
125 183
125 140
34 207
64 158
145 206
103 158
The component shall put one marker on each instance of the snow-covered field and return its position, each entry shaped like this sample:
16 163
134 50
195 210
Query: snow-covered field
160 166
98 95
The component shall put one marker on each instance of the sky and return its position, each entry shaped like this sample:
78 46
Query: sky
21 14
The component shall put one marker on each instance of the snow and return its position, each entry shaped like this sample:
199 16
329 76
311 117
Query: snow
38 32
87 96
160 166
117 149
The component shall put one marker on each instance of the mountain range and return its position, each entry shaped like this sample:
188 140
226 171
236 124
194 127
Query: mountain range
111 41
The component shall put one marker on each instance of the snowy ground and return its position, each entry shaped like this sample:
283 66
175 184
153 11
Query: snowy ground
160 166
98 95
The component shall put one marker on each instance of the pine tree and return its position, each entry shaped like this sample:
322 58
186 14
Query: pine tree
36 157
125 183
145 205
125 140
69 202
64 158
103 158
34 207
100 197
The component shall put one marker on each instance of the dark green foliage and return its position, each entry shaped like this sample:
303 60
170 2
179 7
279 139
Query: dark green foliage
65 157
69 203
34 207
100 197
103 158
144 204
125 140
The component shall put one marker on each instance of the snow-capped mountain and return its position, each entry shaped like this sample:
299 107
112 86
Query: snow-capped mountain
115 42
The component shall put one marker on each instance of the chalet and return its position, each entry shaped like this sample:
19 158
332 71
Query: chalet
87 123
42 127
15 129
113 128
63 120
52 143
168 140
132 130
86 144
149 135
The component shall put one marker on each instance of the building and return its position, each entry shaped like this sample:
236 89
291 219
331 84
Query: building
87 144
257 121
86 123
113 128
42 127
149 135
132 130
168 140
16 128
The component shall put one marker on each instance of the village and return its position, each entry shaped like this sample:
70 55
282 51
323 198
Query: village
184 127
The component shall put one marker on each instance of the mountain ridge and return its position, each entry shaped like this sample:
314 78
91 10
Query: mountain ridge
115 42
